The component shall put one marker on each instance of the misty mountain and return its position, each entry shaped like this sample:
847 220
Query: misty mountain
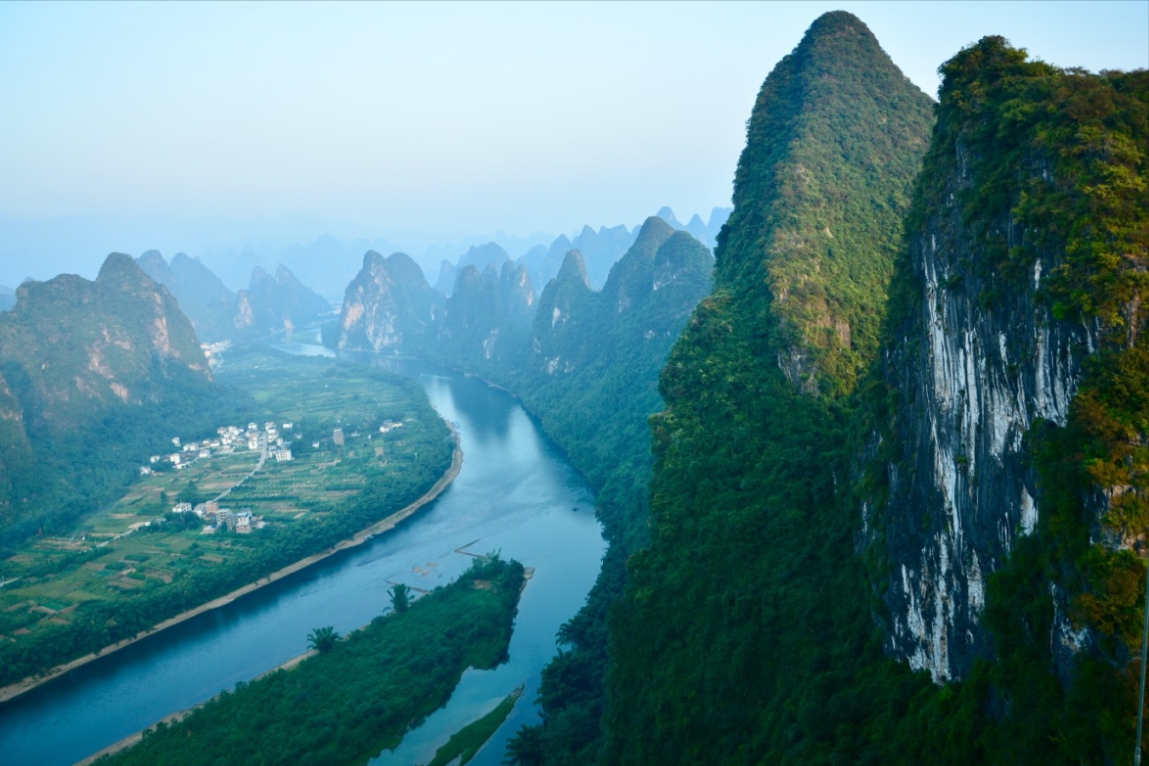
488 315
478 256
201 294
446 280
707 233
327 264
7 298
389 304
277 304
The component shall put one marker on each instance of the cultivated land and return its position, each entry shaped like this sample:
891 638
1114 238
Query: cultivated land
128 558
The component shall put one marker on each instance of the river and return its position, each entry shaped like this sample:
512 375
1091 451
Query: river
516 493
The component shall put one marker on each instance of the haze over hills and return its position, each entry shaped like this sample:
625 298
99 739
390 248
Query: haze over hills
269 305
875 474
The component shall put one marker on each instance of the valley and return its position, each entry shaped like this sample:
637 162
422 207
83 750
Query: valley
233 515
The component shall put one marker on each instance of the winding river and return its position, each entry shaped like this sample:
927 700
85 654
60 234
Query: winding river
516 493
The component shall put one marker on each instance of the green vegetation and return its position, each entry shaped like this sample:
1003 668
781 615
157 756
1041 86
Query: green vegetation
464 743
348 704
1056 162
748 631
94 377
591 379
400 597
111 582
323 639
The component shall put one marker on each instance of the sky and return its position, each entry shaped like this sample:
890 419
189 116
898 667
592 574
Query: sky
210 125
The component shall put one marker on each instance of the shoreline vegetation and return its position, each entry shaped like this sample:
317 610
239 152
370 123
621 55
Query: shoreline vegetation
14 690
362 683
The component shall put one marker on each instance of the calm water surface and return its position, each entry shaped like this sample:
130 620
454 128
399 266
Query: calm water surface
515 493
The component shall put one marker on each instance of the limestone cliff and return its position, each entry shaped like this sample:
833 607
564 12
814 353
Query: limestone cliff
389 304
1001 315
202 296
277 304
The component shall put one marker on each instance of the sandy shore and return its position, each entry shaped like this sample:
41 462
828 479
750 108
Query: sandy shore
16 689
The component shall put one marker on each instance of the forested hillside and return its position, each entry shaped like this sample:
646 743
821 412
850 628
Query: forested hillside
94 376
816 488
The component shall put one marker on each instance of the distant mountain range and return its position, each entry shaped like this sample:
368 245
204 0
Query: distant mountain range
599 249
269 304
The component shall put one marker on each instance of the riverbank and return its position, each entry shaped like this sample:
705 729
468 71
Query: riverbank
15 690
469 622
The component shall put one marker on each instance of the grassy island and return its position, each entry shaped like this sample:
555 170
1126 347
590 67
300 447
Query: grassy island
349 702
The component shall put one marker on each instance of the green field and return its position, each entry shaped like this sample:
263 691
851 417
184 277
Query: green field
124 557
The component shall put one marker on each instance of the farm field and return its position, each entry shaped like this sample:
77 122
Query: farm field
137 561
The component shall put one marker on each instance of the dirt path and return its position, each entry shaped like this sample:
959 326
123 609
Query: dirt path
20 687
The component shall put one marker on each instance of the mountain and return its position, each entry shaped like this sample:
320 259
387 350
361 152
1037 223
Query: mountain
543 264
488 315
704 232
277 304
666 214
326 264
601 249
389 304
1011 415
7 298
202 296
745 619
900 481
93 374
480 256
446 280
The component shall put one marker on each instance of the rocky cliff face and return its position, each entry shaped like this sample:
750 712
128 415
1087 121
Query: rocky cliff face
71 344
488 314
388 304
1003 317
971 382
202 296
277 304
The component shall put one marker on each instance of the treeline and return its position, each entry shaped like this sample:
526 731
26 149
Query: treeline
358 695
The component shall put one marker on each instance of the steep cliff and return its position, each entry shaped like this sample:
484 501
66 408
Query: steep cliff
745 634
278 304
389 304
1013 415
202 296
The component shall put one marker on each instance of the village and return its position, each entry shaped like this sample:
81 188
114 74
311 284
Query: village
269 441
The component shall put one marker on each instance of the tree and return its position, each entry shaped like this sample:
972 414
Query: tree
189 494
323 639
400 597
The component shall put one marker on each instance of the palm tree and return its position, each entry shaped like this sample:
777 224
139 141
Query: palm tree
400 597
322 639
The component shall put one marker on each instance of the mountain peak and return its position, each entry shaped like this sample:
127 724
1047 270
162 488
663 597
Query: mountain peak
119 267
573 268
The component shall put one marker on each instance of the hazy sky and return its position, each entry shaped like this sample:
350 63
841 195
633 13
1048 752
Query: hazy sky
438 116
